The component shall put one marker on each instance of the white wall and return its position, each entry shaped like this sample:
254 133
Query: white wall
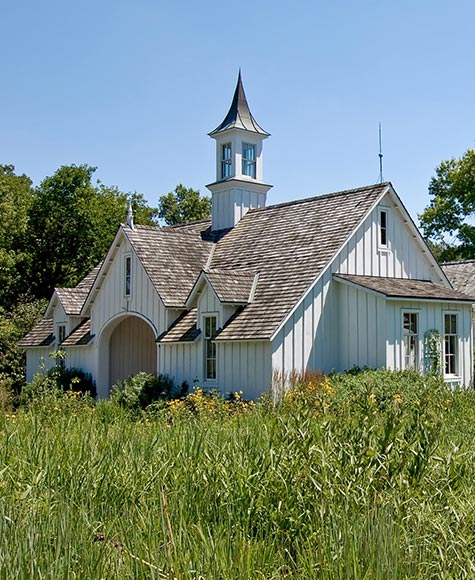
362 328
36 358
318 335
431 317
111 300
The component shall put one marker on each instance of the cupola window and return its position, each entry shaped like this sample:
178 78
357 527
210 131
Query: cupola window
249 160
226 161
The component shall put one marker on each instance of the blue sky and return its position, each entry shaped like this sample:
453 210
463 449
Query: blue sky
133 87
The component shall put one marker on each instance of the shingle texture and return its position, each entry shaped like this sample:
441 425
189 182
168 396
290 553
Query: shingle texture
405 288
184 329
232 286
40 335
288 245
72 299
172 257
80 336
461 275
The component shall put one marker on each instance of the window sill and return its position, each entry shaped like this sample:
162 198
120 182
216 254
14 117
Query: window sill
383 250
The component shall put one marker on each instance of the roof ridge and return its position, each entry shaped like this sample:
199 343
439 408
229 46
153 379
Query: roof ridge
323 196
455 262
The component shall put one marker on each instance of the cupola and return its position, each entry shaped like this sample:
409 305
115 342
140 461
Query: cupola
239 184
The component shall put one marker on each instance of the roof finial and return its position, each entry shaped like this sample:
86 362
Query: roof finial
130 216
380 156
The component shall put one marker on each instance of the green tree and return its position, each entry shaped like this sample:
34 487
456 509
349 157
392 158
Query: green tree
72 224
183 205
448 221
16 196
13 326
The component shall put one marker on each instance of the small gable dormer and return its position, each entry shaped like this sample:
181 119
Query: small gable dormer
239 184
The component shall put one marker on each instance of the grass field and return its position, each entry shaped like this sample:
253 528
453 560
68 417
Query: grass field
354 477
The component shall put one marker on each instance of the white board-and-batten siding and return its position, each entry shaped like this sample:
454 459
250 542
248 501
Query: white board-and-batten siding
320 334
112 301
430 317
38 359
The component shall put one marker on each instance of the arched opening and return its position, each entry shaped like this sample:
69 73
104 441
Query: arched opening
126 347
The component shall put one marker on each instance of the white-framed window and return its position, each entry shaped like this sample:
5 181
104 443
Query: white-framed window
410 332
127 275
61 333
383 228
249 160
450 348
209 327
226 160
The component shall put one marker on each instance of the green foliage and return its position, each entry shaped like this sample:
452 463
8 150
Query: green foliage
72 224
16 195
141 390
447 221
357 476
13 326
183 205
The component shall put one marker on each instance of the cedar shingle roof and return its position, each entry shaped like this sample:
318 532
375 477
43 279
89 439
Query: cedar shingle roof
232 286
173 257
72 299
184 329
406 288
461 275
40 335
288 245
80 336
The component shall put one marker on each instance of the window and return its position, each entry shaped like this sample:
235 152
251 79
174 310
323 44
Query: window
249 160
450 344
383 228
226 161
128 266
61 333
210 347
411 340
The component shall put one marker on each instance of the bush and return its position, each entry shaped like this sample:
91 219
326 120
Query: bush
141 390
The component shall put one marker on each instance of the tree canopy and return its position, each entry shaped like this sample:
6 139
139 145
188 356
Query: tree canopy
73 223
183 205
448 221
16 194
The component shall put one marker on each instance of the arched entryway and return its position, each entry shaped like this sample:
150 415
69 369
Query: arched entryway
126 347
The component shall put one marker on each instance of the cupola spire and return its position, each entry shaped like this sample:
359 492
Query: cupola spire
239 115
239 184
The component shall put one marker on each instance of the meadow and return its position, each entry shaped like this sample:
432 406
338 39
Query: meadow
365 476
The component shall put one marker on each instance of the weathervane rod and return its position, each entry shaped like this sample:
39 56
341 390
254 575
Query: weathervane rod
380 156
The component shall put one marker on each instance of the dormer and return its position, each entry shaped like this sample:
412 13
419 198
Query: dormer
239 184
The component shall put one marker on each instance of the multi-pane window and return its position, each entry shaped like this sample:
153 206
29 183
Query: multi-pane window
383 228
128 272
210 347
226 161
249 160
450 344
410 340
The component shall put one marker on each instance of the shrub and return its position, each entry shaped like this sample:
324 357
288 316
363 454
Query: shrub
141 390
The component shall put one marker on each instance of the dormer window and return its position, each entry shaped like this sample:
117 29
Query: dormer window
127 277
61 333
226 161
249 160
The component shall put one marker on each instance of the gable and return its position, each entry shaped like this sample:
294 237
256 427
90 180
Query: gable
289 246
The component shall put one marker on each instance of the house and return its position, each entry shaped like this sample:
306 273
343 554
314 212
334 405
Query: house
261 291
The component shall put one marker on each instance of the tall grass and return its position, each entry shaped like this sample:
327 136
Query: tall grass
365 477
